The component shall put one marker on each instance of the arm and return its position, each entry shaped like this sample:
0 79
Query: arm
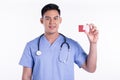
90 64
27 73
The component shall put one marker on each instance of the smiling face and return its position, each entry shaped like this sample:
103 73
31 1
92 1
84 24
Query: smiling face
51 20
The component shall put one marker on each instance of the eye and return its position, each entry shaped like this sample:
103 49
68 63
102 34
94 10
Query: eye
47 18
56 18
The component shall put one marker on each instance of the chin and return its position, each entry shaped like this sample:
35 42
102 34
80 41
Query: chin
50 32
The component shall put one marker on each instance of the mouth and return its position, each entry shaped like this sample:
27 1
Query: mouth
52 27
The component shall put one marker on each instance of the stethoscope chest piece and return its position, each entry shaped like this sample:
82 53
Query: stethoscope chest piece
38 53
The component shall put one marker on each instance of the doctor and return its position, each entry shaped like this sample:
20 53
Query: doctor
52 55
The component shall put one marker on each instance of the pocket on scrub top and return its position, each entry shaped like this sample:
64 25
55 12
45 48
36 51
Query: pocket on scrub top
63 55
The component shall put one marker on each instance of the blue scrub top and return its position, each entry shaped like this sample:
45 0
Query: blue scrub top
53 63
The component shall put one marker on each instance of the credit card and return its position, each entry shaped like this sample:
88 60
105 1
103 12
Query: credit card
81 28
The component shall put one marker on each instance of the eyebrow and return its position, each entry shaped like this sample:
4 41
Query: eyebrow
50 17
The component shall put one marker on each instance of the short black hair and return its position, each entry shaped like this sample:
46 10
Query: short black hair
50 6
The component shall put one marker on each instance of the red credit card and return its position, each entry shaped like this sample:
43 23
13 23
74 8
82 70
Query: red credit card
81 28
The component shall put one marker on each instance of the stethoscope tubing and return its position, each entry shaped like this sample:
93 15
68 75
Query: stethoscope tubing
64 42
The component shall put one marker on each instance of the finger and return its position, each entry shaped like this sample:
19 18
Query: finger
96 36
86 32
95 32
92 27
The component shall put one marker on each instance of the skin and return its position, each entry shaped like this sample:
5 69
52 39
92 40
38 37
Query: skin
51 21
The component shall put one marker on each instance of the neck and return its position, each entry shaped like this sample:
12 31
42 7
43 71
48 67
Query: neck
51 37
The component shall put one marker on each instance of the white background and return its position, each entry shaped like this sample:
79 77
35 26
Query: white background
19 23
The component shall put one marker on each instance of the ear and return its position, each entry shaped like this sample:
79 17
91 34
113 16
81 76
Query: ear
41 20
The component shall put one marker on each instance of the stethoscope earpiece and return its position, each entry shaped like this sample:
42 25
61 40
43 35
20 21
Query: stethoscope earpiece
38 53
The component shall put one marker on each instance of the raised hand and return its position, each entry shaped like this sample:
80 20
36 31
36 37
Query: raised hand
92 34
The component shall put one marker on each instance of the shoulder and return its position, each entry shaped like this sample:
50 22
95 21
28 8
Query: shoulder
33 41
72 41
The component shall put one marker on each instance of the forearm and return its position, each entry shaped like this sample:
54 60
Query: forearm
26 77
90 64
92 57
27 73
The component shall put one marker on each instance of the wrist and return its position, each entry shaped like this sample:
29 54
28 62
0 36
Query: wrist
93 43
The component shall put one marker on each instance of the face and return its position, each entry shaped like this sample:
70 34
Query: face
51 20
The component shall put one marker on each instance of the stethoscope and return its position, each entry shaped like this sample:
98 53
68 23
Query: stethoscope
63 43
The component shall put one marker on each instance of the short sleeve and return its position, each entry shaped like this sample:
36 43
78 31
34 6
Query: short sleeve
80 56
26 59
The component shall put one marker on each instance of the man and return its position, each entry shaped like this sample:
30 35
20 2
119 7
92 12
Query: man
57 53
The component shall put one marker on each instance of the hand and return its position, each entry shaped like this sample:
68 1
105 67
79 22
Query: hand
92 34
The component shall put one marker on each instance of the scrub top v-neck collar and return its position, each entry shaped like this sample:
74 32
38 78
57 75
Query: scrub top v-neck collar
48 44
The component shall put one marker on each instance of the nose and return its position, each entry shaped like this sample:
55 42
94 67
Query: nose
52 21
